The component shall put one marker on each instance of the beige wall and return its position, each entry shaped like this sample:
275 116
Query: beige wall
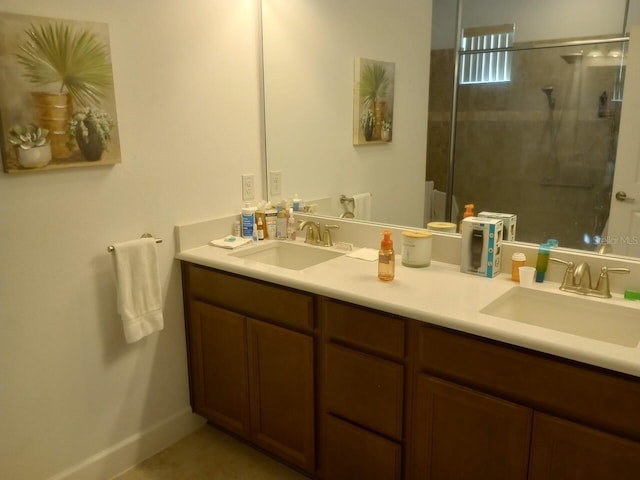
75 400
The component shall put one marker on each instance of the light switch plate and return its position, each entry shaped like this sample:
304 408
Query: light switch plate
275 183
248 187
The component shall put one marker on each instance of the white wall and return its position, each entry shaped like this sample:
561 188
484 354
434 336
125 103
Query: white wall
309 49
74 398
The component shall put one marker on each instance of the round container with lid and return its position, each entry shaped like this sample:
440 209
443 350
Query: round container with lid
416 248
442 227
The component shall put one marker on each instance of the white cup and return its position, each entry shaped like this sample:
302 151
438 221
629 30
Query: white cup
527 275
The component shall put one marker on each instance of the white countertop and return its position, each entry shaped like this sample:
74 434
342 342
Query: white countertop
438 294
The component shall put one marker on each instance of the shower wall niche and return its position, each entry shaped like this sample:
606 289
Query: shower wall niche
542 145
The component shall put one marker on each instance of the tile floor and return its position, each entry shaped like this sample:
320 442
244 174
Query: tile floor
209 454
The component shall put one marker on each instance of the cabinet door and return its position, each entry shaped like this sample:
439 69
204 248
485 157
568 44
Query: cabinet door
352 453
282 393
461 434
219 371
562 450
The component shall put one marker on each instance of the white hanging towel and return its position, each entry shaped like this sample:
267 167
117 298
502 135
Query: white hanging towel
428 202
362 206
138 286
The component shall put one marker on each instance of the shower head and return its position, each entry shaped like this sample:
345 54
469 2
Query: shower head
548 91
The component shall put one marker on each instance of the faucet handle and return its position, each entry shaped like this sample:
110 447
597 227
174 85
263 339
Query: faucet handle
603 280
569 277
328 241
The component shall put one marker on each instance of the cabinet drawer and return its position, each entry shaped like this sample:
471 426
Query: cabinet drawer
353 453
587 394
364 328
250 297
364 389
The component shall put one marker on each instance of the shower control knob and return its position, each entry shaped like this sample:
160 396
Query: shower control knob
622 197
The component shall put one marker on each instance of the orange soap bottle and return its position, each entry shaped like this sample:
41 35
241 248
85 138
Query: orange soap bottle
468 212
386 258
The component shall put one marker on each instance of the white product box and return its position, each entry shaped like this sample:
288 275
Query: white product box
509 221
481 246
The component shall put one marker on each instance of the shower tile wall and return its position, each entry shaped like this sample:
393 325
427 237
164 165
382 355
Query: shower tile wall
513 153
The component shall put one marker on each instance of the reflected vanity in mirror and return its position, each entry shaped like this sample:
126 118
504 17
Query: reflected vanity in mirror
541 143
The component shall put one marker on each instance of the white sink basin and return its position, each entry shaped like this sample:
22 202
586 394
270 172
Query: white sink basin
287 254
569 314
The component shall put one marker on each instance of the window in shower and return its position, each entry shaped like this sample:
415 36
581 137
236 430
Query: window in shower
490 64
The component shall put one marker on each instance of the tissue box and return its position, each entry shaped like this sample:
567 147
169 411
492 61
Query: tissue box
481 246
508 221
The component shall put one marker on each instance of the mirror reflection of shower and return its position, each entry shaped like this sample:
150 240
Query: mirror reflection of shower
548 91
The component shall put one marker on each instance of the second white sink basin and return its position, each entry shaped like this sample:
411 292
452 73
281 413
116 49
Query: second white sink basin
569 314
287 254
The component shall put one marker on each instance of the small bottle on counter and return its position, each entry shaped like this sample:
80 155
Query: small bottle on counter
248 219
386 258
260 229
292 227
281 224
518 260
254 232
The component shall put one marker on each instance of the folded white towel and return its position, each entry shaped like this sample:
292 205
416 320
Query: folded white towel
362 206
367 254
230 242
138 286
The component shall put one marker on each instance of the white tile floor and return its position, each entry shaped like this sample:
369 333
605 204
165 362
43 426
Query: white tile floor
209 454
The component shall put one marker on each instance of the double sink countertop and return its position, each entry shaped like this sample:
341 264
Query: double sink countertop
439 294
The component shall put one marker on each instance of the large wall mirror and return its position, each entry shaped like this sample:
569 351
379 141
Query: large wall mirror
541 141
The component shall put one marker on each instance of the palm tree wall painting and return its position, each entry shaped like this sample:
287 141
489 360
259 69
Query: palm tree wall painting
57 77
373 101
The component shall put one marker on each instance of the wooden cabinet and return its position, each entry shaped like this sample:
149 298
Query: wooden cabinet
249 376
390 398
563 450
478 403
363 384
463 434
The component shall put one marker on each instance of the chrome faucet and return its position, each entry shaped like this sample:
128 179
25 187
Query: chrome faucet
314 236
577 279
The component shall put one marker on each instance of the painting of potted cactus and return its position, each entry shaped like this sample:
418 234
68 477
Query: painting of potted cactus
373 101
54 68
90 128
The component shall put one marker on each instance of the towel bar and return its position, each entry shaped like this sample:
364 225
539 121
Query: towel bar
112 249
344 199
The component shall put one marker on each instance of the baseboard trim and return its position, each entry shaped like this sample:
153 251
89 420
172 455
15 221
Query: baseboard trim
127 453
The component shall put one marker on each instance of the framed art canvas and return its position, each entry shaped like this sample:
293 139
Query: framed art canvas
57 102
373 101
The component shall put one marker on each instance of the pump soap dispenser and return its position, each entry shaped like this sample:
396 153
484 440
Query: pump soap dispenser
386 258
468 212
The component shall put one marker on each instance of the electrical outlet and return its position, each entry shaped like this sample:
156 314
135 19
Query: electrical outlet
275 181
248 187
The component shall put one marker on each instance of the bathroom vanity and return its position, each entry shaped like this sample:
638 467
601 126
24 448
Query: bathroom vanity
346 377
